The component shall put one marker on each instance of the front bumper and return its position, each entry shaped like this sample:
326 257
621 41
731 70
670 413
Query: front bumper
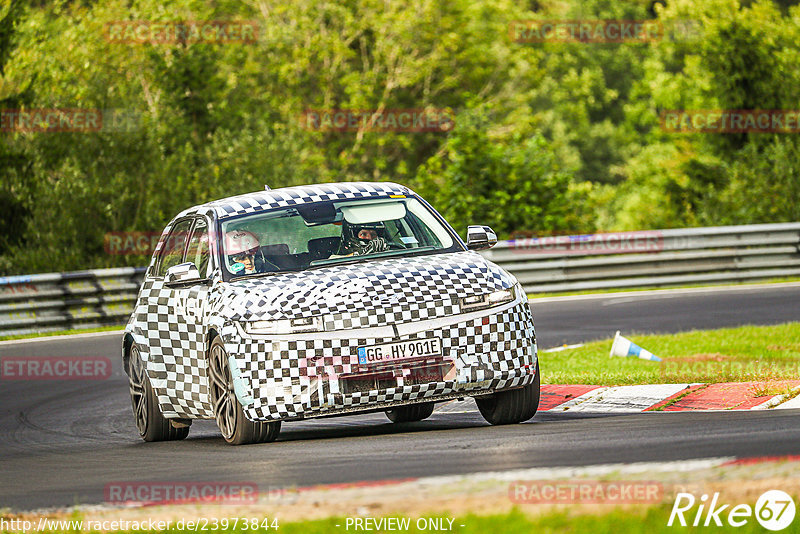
311 375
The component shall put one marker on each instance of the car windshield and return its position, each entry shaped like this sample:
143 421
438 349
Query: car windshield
327 233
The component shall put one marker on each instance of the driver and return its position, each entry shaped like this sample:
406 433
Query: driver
364 239
241 247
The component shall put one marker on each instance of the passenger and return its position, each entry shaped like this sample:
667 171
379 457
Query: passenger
242 248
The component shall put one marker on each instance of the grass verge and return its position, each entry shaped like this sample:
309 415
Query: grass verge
782 280
631 520
644 520
747 353
64 332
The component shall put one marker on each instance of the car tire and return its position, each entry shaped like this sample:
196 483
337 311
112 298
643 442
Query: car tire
408 414
236 428
150 423
512 406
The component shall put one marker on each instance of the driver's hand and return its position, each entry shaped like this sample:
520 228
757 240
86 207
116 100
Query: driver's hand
376 245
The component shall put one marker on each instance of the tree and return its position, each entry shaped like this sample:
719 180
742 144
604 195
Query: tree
514 185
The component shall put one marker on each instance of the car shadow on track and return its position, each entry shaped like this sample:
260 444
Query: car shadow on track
373 425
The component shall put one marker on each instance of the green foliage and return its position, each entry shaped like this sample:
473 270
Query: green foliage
764 185
713 356
510 184
580 101
571 143
742 57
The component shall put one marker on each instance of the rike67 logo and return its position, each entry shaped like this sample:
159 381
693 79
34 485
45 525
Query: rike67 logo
774 510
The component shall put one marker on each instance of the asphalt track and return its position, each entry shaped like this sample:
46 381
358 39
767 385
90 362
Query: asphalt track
61 442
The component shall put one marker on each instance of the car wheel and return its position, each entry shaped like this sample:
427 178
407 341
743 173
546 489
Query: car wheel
407 414
152 426
512 406
236 428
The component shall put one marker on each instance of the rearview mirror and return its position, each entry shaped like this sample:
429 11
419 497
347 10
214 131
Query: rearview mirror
480 237
317 213
183 274
374 212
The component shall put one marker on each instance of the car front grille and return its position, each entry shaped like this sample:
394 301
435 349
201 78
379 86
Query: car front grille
413 373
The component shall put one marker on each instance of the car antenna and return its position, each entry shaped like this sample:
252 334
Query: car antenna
267 188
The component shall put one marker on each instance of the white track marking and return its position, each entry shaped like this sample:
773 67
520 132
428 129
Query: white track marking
58 338
790 404
623 399
564 347
773 402
664 293
577 400
548 473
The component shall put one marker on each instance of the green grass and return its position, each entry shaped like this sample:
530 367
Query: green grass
650 520
781 280
759 353
638 520
64 332
726 355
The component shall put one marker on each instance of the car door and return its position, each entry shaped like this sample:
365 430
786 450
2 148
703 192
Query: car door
175 328
190 311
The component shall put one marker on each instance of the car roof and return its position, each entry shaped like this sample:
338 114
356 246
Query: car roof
301 194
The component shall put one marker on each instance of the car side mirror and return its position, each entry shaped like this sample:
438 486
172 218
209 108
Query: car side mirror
480 237
183 274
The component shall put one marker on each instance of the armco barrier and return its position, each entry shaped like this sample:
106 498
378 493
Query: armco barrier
63 301
654 258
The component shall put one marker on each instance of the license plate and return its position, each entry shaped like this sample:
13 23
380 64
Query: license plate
400 350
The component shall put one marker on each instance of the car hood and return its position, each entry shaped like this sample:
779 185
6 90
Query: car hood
397 284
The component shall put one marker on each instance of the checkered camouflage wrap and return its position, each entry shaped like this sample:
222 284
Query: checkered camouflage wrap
292 196
370 293
171 323
482 234
291 379
358 305
182 271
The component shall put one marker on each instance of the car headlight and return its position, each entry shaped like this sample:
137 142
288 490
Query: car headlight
285 326
488 300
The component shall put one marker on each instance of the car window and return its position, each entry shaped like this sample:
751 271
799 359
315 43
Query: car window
198 251
297 238
172 251
286 229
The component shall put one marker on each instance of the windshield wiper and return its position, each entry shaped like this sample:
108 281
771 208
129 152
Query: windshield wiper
259 275
376 255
